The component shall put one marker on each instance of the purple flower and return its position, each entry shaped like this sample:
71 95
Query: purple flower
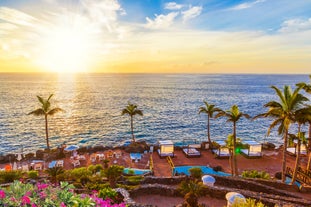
2 194
25 200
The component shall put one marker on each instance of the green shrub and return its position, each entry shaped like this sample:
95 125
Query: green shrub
33 174
9 176
255 174
249 203
134 180
96 186
131 172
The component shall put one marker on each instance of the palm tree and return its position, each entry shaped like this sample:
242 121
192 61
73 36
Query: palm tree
283 113
302 116
208 109
131 110
54 172
307 88
192 191
229 144
46 111
233 115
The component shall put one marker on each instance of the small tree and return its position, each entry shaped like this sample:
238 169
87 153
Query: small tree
113 173
192 191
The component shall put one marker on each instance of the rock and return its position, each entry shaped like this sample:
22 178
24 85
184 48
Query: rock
268 146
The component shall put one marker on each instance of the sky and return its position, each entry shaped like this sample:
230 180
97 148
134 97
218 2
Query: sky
156 36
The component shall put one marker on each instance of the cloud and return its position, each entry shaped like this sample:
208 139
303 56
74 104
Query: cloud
247 5
192 12
161 21
296 25
16 17
173 6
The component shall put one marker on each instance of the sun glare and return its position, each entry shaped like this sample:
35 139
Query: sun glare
66 50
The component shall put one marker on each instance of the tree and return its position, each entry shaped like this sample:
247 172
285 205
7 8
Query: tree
46 111
229 144
209 110
131 110
307 88
233 115
302 116
54 172
113 173
283 114
192 190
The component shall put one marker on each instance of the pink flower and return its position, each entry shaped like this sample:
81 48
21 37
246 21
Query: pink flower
2 194
62 204
25 200
33 205
42 186
42 195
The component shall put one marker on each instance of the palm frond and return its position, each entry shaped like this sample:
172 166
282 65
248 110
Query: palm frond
54 111
37 112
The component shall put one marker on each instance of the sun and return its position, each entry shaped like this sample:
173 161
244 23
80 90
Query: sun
66 49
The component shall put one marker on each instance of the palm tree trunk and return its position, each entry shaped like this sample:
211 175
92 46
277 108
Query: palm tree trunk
208 132
132 128
47 132
297 157
284 156
309 161
231 161
234 148
309 139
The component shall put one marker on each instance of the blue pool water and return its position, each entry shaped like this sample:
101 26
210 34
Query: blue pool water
205 170
136 171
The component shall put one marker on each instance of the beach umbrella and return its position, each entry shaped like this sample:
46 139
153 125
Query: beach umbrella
71 148
19 157
208 180
234 196
14 166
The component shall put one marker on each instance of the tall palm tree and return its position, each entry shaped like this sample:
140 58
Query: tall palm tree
131 110
307 88
46 111
233 115
283 113
302 116
208 109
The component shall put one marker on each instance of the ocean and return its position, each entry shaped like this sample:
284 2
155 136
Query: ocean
170 103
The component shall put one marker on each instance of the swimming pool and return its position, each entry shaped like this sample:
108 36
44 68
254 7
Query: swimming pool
136 171
205 170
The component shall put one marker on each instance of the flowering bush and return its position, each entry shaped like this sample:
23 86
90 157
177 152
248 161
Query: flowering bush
44 195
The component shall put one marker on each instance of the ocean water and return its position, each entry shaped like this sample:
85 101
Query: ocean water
93 104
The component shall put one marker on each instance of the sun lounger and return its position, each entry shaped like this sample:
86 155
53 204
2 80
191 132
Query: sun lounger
38 166
191 152
100 156
254 149
60 163
221 151
166 148
294 150
76 163
25 167
118 154
135 157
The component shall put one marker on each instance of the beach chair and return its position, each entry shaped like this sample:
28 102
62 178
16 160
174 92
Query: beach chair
76 163
118 154
82 157
25 167
253 150
100 156
38 166
60 163
151 149
93 158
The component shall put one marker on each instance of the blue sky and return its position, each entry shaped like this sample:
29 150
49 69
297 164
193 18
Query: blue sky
245 35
